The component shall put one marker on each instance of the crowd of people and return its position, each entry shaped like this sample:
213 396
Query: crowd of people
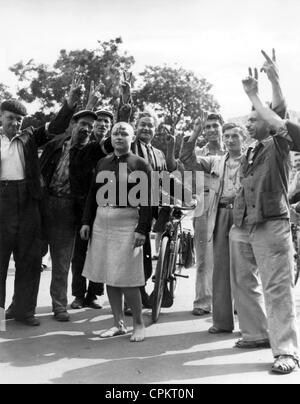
60 198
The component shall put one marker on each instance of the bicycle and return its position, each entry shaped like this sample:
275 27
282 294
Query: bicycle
295 236
170 262
295 229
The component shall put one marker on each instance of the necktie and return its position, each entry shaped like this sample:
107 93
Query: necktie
150 157
255 152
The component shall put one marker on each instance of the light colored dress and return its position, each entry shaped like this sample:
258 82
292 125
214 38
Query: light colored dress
111 258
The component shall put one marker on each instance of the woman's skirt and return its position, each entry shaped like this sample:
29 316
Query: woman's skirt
111 258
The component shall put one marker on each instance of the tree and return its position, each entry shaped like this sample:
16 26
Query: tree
4 93
177 95
179 98
49 84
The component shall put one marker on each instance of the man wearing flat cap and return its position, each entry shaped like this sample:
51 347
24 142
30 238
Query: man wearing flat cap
66 164
86 295
103 124
20 195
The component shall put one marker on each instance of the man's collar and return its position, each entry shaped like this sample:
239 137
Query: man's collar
145 144
206 151
257 142
3 136
122 157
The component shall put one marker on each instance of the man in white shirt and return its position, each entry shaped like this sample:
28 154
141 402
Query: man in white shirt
20 195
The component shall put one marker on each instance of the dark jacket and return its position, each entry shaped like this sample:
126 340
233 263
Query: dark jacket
32 139
160 159
111 164
264 182
82 164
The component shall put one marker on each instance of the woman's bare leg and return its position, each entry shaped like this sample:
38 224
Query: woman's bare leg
115 299
134 300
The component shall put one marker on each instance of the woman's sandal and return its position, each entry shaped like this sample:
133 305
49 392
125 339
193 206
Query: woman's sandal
113 332
285 364
263 343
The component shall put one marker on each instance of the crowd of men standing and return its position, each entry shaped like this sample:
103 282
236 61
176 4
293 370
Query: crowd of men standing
243 245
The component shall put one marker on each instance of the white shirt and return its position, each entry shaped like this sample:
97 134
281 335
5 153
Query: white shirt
12 161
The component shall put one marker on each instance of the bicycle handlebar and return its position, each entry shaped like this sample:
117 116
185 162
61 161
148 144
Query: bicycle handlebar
183 208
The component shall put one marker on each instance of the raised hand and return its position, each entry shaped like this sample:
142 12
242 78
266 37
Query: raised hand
76 90
270 67
94 95
126 87
198 125
168 136
250 83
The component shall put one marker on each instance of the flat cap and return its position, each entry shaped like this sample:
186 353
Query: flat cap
105 112
14 106
84 112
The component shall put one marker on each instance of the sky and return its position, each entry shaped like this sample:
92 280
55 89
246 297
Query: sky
217 39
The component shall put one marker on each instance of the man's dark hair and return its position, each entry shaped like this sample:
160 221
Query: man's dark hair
215 117
232 125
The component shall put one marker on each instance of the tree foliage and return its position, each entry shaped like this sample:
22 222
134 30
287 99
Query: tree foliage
177 94
49 84
4 92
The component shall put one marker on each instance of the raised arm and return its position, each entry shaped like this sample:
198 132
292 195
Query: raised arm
271 69
283 128
250 84
125 104
94 96
63 118
171 162
188 157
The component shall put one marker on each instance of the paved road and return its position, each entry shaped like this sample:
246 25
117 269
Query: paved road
178 349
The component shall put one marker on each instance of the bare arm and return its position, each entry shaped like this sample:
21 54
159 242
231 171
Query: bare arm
271 69
251 88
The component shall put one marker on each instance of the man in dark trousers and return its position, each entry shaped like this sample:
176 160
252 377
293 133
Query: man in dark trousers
87 295
66 164
20 195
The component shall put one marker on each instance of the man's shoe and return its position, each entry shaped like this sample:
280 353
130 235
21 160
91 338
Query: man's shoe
93 304
77 303
9 314
62 317
200 312
30 321
244 344
216 330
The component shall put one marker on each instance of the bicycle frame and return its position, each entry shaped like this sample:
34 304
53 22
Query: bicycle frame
173 231
166 270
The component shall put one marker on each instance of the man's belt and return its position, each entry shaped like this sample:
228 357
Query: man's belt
115 206
9 183
226 205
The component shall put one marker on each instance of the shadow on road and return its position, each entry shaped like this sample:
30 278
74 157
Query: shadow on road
160 358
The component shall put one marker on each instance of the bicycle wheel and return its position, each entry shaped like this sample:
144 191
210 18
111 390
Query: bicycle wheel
296 242
161 274
297 269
